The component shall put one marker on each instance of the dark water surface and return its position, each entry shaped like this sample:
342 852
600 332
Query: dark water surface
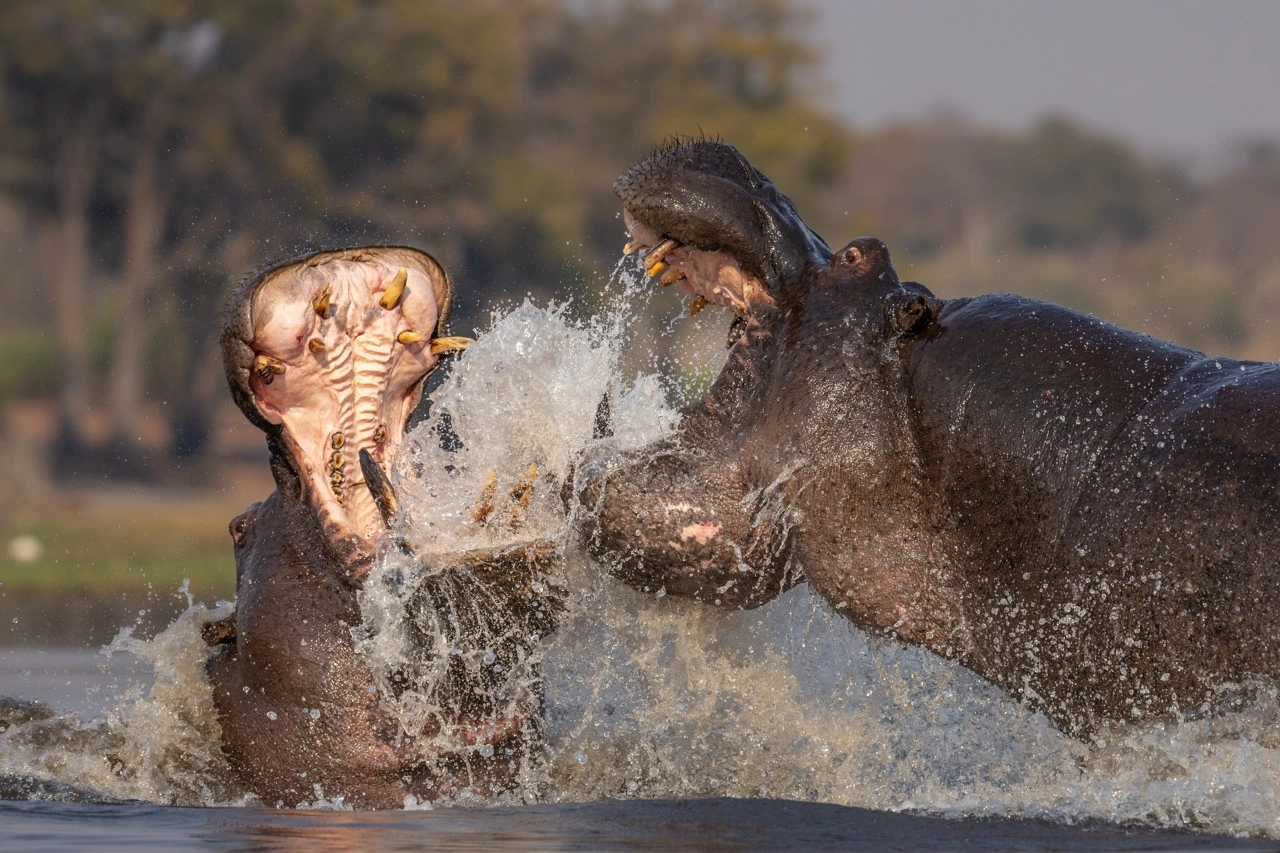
717 824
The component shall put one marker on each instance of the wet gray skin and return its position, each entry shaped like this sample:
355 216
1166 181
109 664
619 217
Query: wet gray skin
1083 515
327 355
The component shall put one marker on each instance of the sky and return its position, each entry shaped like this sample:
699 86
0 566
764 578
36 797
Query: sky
1177 77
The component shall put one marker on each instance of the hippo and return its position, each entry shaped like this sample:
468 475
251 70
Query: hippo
327 355
1083 515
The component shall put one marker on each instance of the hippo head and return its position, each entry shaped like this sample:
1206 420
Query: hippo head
327 355
715 224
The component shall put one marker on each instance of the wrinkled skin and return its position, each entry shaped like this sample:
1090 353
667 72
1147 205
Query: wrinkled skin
1084 515
338 344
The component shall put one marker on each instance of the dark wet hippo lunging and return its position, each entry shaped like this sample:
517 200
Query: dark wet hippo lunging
327 355
1086 516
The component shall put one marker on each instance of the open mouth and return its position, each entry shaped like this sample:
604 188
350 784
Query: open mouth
330 352
708 277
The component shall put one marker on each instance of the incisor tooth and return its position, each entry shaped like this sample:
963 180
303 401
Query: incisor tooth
660 251
321 305
697 305
656 268
315 345
395 289
267 367
408 336
631 247
439 346
671 276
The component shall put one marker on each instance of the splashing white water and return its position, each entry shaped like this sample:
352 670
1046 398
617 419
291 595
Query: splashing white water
654 697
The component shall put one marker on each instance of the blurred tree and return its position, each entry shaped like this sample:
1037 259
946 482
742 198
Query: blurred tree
1070 188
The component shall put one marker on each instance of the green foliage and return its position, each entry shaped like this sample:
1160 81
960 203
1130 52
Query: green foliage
29 364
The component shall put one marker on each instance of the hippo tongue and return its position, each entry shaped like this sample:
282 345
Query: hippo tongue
339 345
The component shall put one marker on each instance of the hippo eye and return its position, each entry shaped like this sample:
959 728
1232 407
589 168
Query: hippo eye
239 527
852 255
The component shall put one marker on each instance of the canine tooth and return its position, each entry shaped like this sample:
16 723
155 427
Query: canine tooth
655 269
671 276
315 345
697 305
321 305
408 336
631 247
267 367
439 346
395 289
379 485
484 506
659 252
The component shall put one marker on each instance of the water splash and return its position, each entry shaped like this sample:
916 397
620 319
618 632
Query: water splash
654 697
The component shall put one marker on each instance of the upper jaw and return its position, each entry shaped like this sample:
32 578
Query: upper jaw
328 354
707 219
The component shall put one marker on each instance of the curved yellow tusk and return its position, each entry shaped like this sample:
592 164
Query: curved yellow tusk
321 305
439 346
395 289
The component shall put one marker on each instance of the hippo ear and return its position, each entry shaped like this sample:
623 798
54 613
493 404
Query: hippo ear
911 312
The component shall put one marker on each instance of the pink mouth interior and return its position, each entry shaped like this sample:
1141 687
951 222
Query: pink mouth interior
342 373
714 276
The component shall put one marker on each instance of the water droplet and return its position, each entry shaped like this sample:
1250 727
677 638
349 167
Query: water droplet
272 715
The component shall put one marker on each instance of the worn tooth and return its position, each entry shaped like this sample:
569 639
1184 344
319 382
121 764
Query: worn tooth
315 345
267 367
337 478
379 485
440 346
337 461
660 251
484 505
656 269
631 247
337 440
395 289
697 305
380 434
321 305
671 276
409 336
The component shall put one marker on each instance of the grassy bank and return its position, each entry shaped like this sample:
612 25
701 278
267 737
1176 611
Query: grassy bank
122 541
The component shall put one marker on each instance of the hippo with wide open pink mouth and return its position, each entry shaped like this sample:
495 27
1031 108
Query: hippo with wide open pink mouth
1086 516
327 354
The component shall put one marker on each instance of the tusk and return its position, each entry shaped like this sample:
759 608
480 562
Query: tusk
375 479
631 247
440 346
671 276
267 367
321 305
660 251
659 267
395 289
408 336
697 305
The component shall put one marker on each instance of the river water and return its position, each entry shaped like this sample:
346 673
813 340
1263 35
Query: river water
656 710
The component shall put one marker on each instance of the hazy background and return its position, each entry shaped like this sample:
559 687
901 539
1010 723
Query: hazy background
1119 157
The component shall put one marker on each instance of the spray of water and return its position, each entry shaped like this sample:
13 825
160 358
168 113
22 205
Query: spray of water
653 697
